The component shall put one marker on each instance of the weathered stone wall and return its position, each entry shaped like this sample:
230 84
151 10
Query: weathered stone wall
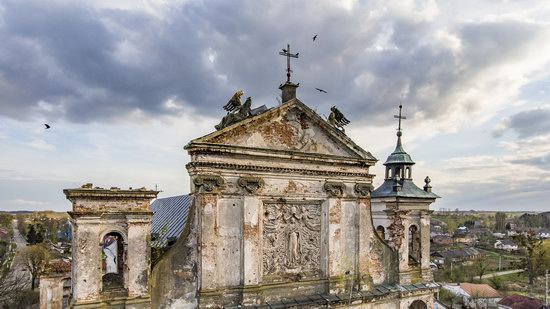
174 282
283 210
397 218
51 291
97 212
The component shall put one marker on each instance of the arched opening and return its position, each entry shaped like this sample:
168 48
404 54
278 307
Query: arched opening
398 172
418 304
113 261
381 231
389 173
408 173
414 245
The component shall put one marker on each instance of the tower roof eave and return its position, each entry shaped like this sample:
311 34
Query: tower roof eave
408 189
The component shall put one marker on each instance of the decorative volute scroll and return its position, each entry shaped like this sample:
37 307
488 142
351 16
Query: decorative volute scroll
335 189
251 184
208 182
363 189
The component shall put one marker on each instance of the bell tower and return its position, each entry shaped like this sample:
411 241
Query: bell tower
111 252
401 214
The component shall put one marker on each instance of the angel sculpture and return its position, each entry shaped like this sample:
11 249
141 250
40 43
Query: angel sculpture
236 111
337 119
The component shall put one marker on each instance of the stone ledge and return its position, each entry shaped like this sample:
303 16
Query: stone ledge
380 292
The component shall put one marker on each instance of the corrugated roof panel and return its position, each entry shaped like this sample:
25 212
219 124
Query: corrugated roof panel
169 218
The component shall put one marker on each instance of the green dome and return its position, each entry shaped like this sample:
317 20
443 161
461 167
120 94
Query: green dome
399 156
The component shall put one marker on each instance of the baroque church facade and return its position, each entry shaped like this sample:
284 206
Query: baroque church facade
283 214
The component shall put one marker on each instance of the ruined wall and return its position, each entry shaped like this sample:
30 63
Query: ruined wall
51 291
174 282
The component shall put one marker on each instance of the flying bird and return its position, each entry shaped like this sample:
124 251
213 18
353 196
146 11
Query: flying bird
314 37
321 90
47 126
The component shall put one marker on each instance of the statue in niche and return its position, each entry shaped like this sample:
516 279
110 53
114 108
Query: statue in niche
293 246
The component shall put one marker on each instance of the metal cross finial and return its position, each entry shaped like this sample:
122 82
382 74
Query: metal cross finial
399 117
286 52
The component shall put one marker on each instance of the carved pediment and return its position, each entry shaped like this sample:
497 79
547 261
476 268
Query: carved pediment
289 127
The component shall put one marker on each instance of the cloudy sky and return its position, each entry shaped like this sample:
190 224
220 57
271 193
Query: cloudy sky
126 84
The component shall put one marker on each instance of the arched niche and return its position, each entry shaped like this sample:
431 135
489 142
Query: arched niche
414 245
381 231
418 304
113 255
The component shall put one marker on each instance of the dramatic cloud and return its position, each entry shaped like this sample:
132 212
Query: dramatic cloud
87 61
125 84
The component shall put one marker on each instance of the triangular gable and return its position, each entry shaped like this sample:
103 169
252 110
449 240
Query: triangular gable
291 126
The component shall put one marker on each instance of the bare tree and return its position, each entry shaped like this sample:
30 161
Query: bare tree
11 285
34 259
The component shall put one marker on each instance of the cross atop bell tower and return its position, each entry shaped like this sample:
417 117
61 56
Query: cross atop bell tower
289 88
399 133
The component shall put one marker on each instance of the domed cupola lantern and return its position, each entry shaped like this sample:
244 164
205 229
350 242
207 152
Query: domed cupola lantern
399 163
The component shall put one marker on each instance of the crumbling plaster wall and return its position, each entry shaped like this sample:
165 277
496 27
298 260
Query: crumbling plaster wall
97 212
282 210
411 212
51 291
174 281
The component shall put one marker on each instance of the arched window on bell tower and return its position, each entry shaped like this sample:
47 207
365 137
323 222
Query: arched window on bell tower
112 261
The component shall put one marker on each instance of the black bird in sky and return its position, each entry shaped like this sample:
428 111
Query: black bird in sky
321 90
47 126
314 37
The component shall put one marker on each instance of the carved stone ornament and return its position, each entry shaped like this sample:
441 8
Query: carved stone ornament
291 240
208 182
335 189
363 189
251 184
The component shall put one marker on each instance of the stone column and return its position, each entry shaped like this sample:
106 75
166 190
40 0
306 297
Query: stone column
138 255
366 245
335 245
398 239
427 275
86 264
208 206
252 246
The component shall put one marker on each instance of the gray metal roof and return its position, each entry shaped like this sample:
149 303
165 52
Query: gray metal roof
169 218
408 189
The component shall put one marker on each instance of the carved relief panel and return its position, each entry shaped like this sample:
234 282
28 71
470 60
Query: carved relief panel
291 240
